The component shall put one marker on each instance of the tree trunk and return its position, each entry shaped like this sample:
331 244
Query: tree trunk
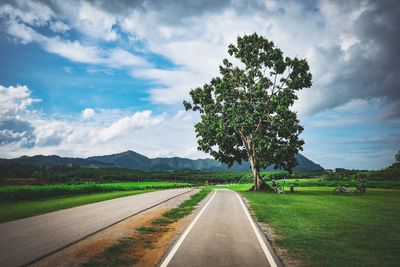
256 172
259 184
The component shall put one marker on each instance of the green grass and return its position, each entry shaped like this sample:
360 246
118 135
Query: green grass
147 230
16 210
323 229
30 192
187 206
316 182
111 256
349 182
162 221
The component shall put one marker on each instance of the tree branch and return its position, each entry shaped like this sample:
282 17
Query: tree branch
273 88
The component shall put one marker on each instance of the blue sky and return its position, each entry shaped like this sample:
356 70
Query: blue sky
82 78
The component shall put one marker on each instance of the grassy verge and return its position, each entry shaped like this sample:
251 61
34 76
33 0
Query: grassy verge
30 192
187 206
350 182
125 250
16 210
323 229
317 182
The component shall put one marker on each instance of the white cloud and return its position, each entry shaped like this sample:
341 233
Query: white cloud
173 85
88 113
337 39
344 55
74 51
51 133
350 47
15 117
90 20
355 105
14 101
29 12
121 58
151 135
20 23
107 131
59 26
23 33
138 120
199 49
91 54
337 122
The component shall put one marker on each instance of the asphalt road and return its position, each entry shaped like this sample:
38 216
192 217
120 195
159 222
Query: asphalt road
222 234
26 240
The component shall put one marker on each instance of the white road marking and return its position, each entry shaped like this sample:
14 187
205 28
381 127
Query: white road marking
260 240
180 241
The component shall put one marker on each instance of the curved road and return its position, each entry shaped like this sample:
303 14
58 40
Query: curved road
222 234
26 240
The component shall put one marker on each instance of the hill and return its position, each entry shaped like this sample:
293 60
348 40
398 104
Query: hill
128 159
53 160
133 160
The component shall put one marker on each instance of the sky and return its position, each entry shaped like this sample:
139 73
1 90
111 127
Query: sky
84 78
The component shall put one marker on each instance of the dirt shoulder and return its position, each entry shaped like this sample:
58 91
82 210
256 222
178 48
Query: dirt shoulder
150 241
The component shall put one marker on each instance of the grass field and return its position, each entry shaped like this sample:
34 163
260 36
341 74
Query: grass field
323 229
21 209
351 182
317 182
18 202
30 192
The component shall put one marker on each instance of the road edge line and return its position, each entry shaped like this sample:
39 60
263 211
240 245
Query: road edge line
97 231
183 236
264 247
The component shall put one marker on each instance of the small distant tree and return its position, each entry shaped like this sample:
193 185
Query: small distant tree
245 113
397 157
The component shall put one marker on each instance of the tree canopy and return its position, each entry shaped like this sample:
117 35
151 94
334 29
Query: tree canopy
245 112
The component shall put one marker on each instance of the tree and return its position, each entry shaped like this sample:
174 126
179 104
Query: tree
397 157
245 113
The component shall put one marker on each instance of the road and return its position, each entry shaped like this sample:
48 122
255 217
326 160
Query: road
26 240
222 234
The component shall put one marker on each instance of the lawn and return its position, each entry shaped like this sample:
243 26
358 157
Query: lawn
323 229
350 182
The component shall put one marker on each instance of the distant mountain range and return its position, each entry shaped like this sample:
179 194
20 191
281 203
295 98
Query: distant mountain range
133 160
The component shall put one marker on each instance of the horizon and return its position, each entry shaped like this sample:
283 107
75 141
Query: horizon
81 78
99 155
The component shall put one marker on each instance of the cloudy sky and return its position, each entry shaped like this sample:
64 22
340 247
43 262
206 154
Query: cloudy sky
82 78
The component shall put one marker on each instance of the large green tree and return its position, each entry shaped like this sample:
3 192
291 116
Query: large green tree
245 112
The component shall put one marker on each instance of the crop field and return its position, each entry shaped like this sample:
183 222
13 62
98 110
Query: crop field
21 209
30 192
322 229
18 202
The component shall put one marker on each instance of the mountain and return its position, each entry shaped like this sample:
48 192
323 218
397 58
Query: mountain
53 160
128 159
132 160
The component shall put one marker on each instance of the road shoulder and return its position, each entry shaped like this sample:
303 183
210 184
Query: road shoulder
82 252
